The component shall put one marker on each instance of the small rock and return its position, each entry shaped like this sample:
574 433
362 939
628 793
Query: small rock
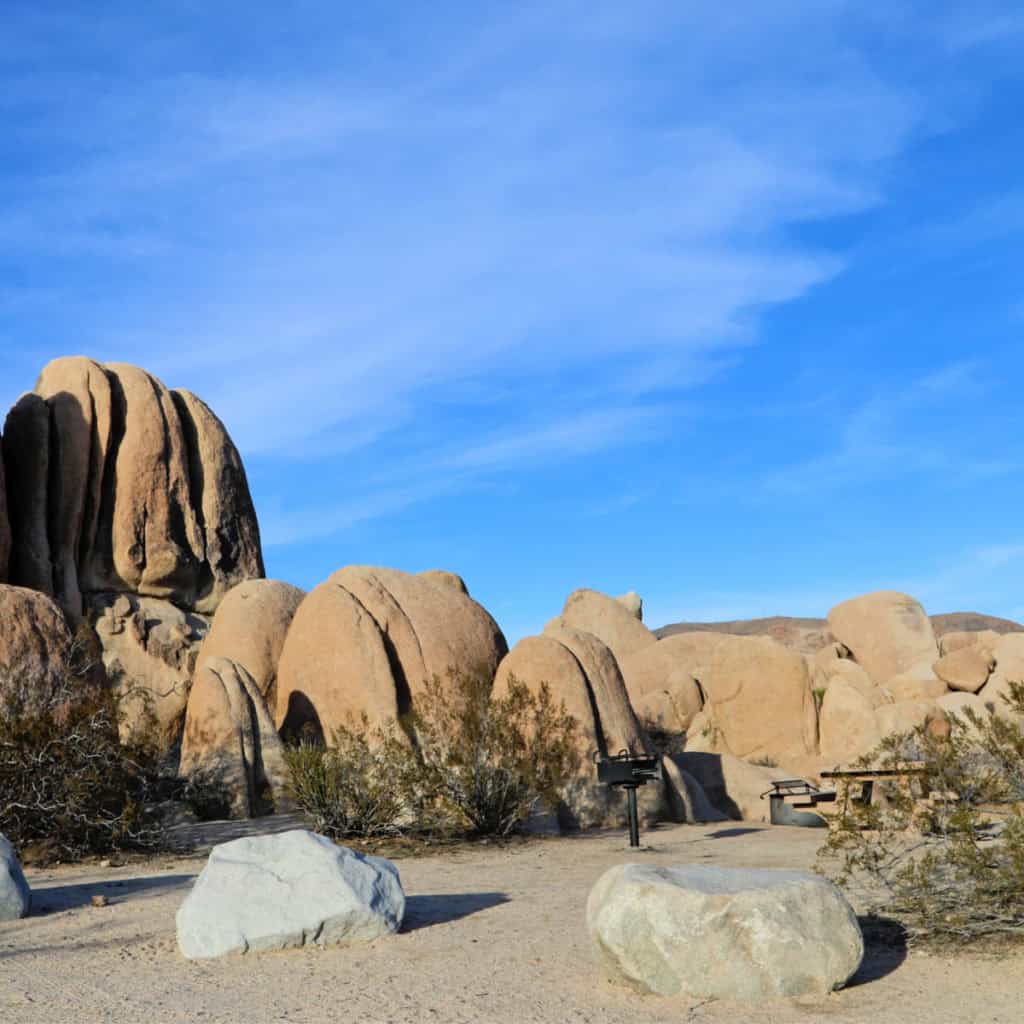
99 900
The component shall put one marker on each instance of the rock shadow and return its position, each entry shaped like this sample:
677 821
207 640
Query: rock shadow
885 949
733 833
425 911
57 898
706 768
201 836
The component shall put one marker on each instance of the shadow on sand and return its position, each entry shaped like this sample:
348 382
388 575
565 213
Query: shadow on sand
57 898
733 833
885 948
424 911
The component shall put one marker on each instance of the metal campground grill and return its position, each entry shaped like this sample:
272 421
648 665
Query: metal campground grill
628 771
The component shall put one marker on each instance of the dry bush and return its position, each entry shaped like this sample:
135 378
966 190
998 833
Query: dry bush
487 761
461 763
67 786
945 854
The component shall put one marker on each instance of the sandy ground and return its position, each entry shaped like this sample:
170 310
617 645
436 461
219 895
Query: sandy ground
491 934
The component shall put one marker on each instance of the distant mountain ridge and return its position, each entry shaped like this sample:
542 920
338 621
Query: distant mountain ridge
783 626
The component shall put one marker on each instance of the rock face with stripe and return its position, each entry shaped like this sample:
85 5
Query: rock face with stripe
117 484
365 641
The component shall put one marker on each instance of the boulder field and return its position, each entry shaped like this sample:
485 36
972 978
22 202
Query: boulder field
130 556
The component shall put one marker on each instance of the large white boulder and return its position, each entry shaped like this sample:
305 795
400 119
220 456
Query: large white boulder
723 933
277 891
15 898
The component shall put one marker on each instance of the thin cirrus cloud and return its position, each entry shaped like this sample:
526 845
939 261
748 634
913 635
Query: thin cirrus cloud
336 238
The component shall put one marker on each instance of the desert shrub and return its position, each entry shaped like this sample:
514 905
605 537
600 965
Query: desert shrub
488 761
463 762
67 786
359 786
944 855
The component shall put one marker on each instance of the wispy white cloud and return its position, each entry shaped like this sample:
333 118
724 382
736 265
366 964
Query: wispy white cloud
521 193
425 474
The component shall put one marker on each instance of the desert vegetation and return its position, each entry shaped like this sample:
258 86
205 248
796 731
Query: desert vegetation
943 853
464 762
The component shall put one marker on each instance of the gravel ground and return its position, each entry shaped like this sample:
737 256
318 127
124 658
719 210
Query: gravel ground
492 934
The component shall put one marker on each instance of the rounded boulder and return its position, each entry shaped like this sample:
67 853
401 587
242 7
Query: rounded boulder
290 889
607 618
723 933
35 650
888 633
249 628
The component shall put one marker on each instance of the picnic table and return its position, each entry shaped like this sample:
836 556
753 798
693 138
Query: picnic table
804 803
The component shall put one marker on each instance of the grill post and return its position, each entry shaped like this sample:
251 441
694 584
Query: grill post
628 771
634 820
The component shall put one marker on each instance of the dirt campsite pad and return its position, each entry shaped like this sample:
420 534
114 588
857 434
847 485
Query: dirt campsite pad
492 933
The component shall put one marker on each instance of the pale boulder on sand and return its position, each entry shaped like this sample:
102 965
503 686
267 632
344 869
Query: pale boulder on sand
15 897
723 933
280 891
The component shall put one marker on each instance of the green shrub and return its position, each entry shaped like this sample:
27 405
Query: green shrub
463 762
944 855
490 761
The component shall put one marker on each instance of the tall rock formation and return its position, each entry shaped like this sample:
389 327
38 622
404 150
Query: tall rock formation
117 484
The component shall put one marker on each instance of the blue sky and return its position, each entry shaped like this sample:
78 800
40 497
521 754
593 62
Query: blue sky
721 303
